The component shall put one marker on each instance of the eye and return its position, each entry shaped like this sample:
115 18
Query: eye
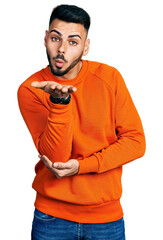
73 43
55 39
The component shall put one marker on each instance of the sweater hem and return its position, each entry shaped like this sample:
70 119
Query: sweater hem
100 213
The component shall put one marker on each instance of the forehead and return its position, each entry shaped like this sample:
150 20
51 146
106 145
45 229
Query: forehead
66 28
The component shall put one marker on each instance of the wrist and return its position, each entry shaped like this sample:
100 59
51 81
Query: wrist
63 101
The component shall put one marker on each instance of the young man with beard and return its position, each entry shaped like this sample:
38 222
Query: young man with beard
85 127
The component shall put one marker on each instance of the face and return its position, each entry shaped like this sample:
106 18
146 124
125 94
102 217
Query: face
65 44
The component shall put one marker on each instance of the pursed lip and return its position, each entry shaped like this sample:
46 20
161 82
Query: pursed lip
59 60
59 63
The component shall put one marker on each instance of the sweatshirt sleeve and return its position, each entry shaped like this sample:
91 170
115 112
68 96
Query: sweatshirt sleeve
130 143
50 127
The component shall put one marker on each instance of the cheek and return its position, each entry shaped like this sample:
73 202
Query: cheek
51 47
74 52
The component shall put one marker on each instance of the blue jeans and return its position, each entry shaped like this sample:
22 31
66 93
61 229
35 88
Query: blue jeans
46 227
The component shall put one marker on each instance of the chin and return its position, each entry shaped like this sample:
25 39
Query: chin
57 71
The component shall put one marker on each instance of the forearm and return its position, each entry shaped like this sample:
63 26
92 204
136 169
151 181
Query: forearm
124 150
56 140
50 125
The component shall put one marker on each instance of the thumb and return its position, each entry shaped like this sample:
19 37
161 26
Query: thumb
60 165
40 85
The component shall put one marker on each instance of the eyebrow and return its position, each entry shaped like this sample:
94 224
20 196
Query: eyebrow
70 36
56 32
75 35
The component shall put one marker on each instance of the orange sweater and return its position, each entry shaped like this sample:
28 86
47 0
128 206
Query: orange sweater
100 127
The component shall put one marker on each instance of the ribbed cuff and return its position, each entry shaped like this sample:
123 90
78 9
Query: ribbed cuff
60 112
88 165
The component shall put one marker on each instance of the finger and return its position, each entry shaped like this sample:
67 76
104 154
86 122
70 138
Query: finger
74 89
60 173
40 85
54 86
59 87
71 90
60 165
64 89
46 161
68 89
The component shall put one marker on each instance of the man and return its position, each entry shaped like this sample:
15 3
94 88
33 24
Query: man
85 127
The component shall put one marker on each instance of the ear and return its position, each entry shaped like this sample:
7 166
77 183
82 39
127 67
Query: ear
86 47
45 38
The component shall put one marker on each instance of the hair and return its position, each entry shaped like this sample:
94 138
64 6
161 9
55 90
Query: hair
71 14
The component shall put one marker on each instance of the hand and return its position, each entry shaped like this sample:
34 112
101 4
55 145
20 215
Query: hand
55 89
60 169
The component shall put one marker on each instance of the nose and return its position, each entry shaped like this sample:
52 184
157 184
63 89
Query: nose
62 47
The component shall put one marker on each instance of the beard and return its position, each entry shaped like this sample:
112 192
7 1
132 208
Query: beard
58 71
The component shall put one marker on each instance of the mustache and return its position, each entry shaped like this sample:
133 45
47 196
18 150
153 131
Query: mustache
60 56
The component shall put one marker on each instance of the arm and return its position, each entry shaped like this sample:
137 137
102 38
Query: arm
51 129
130 143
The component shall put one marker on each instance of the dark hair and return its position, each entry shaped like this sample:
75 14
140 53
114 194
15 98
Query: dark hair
71 13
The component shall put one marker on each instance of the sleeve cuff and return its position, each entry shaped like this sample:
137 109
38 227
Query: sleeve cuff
88 165
60 112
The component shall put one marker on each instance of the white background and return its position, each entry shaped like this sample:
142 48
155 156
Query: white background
125 34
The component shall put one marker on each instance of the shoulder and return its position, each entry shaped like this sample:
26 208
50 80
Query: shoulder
29 96
26 89
108 74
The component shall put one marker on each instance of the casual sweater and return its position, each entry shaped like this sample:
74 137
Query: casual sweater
100 127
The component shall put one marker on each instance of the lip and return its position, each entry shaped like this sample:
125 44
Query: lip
59 63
